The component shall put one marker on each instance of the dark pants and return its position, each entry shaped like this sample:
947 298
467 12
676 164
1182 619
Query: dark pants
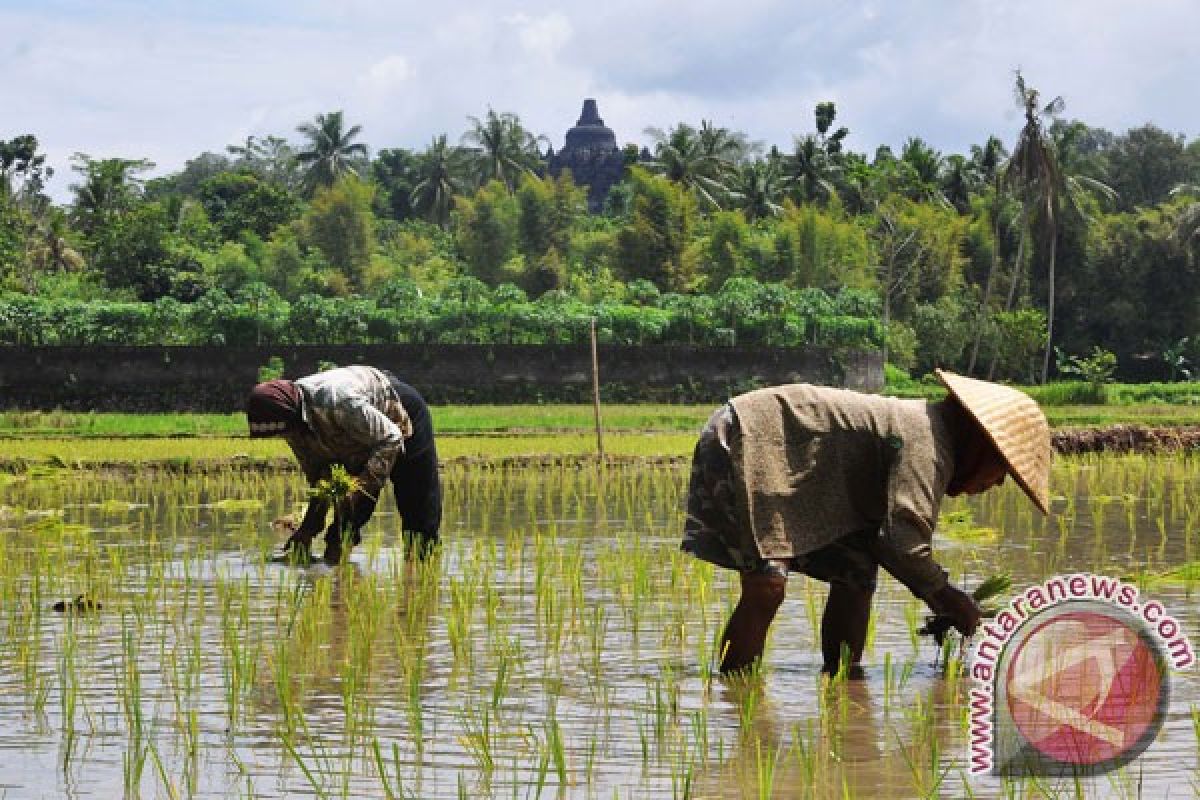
415 479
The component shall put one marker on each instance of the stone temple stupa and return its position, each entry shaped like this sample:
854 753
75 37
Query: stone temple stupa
592 155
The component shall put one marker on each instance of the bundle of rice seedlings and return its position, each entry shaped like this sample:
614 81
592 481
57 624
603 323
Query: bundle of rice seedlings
938 625
337 487
333 491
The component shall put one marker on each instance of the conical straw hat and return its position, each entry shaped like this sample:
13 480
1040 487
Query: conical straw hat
1015 425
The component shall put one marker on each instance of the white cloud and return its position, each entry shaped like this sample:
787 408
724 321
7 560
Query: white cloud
389 73
139 79
545 36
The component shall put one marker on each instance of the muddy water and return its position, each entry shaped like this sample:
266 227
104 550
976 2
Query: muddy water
559 647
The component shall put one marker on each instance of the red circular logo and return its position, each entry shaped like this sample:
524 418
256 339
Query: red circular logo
1086 687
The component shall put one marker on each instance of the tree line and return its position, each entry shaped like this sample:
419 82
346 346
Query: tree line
1070 239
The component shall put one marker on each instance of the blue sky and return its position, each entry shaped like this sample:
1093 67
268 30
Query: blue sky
167 80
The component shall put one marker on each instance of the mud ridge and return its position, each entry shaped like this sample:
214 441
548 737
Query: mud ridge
1125 439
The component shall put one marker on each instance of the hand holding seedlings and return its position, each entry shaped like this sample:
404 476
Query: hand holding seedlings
963 612
297 549
344 493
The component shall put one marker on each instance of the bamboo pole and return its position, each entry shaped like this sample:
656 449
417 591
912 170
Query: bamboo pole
596 392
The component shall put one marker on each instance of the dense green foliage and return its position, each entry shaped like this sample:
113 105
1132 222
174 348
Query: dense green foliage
984 262
464 311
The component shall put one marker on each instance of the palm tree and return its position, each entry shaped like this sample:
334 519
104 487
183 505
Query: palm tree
331 151
23 170
270 158
816 162
923 168
756 188
51 251
958 183
682 156
1076 187
810 169
1030 174
863 185
986 162
1070 198
438 169
1187 227
110 186
507 150
727 147
1036 172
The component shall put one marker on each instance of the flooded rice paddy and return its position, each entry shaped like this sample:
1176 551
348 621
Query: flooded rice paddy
561 646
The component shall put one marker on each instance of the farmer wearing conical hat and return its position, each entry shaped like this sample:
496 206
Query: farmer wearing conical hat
375 426
834 484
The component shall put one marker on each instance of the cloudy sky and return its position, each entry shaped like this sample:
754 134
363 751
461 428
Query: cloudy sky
169 79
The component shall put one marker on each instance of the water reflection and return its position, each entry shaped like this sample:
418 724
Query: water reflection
559 646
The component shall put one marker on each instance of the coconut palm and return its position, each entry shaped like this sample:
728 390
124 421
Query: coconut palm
863 185
1031 174
438 181
816 162
756 187
684 158
922 171
811 170
506 149
986 163
958 183
23 170
271 158
50 250
1187 227
728 148
987 159
1071 200
331 152
110 186
1047 186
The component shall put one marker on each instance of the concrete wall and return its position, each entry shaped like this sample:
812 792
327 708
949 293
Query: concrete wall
217 378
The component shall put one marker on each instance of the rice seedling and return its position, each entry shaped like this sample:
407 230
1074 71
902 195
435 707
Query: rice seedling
68 690
556 747
560 643
765 763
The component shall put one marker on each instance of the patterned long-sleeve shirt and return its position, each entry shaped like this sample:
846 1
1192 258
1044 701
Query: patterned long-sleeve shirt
352 417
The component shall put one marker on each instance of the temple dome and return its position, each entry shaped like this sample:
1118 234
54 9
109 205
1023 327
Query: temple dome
590 132
591 154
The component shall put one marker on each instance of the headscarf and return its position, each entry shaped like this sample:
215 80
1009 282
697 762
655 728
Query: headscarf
272 407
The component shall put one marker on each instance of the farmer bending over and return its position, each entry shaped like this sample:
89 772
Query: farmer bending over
833 483
376 427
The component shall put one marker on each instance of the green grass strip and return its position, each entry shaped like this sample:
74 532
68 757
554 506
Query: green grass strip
188 451
516 420
447 420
